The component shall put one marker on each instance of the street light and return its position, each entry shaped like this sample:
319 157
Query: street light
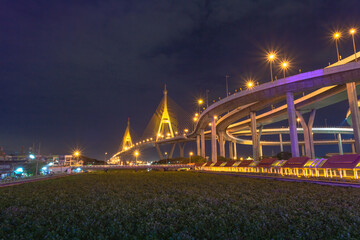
352 32
284 66
191 153
337 36
271 58
136 154
250 84
200 102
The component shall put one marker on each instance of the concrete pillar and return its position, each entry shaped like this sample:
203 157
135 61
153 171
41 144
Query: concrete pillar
303 152
341 152
222 143
281 143
308 135
198 150
231 151
311 134
292 124
235 151
158 151
254 135
172 151
213 141
181 148
202 137
355 116
353 148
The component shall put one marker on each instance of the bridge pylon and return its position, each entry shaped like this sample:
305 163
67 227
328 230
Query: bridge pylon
127 141
165 121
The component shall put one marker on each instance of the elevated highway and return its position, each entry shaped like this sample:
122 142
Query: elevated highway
323 87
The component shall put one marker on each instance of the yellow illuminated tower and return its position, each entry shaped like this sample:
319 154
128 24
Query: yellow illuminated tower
127 142
165 120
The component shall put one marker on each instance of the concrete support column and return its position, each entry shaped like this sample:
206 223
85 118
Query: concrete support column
311 134
198 148
353 148
213 141
254 135
281 143
231 151
202 137
292 124
172 150
308 134
303 153
341 152
355 116
235 151
222 143
158 151
181 148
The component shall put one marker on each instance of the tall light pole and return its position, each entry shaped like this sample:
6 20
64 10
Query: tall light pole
190 154
136 154
284 66
352 32
227 85
337 36
207 97
271 58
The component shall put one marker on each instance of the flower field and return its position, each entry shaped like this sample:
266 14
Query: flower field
177 205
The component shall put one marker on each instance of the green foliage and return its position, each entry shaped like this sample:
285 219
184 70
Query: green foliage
194 159
91 161
177 205
283 155
222 159
30 168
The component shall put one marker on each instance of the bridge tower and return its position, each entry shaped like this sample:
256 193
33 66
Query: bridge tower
127 141
165 121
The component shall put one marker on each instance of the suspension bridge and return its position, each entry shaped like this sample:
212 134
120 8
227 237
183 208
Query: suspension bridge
240 118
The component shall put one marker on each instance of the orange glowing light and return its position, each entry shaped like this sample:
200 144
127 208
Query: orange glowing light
337 35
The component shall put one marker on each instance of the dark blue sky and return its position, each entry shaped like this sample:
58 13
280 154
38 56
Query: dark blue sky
72 72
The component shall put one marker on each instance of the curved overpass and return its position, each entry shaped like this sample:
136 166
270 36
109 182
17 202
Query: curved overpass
327 86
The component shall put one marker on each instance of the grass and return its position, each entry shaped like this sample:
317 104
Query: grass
177 205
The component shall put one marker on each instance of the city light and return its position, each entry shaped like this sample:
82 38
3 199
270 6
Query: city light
136 153
200 101
195 119
186 130
352 31
337 35
19 170
250 84
32 156
77 153
271 57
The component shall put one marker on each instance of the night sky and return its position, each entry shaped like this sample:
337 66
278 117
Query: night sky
72 72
